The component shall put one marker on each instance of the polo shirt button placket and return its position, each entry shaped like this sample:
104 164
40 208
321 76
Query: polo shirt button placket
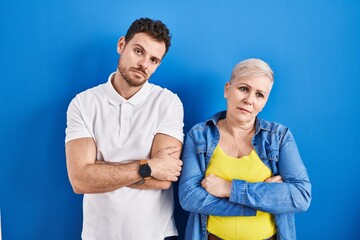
125 120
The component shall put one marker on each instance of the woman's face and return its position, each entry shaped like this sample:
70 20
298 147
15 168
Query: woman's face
247 97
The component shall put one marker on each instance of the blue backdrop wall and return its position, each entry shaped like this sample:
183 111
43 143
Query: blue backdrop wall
51 50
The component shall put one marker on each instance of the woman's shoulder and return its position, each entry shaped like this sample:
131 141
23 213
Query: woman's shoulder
198 128
210 123
271 126
205 130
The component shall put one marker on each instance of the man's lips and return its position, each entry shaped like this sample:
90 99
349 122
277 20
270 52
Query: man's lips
139 71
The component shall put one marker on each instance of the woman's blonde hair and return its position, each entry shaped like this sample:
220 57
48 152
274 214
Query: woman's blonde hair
251 68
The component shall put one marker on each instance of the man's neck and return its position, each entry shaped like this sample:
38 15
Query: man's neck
122 87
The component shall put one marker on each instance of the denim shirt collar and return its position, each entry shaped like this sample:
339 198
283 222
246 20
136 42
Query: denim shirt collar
259 123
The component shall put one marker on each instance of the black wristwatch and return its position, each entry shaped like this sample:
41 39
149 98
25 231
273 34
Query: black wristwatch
144 171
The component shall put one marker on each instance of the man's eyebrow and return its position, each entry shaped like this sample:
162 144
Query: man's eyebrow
143 49
139 46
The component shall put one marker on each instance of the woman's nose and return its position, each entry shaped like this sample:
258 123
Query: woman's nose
247 99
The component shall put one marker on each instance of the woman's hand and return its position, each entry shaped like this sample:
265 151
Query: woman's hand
216 186
276 179
219 187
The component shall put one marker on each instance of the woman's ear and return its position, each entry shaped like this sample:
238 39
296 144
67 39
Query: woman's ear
226 89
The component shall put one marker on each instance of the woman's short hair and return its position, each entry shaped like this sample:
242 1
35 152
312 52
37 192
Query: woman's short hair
251 68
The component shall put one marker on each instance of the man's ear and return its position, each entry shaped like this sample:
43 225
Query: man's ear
121 45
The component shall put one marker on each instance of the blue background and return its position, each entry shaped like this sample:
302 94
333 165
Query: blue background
51 50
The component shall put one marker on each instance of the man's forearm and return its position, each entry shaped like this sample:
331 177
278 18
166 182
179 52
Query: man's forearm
152 184
105 177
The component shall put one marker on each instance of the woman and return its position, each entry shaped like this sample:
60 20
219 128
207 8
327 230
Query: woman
229 161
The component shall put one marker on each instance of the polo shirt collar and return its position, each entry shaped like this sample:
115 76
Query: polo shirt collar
116 99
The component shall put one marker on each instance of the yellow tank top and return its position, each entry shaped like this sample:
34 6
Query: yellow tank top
249 168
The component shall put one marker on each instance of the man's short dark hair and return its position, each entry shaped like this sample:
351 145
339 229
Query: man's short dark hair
154 28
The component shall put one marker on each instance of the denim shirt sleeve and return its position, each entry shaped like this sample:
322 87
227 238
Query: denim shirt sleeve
293 195
193 197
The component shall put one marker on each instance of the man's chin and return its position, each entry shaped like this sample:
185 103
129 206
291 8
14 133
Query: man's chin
136 83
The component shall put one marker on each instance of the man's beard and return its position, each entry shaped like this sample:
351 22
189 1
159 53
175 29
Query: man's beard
132 81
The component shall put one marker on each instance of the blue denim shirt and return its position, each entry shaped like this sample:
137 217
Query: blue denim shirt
276 147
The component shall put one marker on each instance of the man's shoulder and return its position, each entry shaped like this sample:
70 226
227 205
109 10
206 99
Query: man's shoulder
93 90
90 93
158 91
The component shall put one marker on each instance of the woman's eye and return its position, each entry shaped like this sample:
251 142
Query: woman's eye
259 95
243 89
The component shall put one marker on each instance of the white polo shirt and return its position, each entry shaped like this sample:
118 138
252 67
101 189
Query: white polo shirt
123 131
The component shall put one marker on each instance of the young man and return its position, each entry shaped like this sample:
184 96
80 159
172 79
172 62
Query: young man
123 143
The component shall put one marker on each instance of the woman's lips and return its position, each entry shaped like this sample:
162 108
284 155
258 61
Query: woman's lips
244 110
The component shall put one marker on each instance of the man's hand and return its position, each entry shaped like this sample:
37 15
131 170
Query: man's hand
164 166
216 186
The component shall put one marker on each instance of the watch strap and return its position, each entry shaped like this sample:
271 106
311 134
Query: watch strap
143 161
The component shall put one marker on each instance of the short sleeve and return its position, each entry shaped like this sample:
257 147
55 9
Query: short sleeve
76 127
172 123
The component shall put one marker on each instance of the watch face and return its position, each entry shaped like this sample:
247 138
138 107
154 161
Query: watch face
145 170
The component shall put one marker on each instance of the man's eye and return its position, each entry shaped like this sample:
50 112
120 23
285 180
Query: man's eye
137 51
154 61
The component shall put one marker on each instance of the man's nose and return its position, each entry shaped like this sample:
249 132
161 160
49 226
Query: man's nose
143 63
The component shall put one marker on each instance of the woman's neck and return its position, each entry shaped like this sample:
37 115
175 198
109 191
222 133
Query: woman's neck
235 139
238 130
